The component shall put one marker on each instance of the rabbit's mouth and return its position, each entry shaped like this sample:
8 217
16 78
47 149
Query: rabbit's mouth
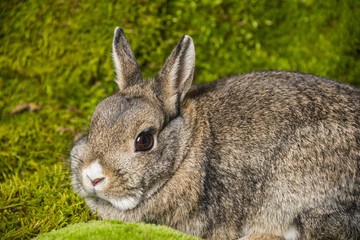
131 202
96 184
122 203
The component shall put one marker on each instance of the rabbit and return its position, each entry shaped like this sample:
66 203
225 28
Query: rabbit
260 155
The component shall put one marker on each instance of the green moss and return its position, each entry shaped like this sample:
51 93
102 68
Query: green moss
57 54
39 203
113 229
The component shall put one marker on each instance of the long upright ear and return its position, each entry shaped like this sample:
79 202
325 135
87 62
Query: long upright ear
127 69
175 77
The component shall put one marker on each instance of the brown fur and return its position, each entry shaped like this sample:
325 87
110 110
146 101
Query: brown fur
262 155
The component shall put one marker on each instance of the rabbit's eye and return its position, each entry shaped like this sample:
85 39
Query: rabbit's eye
144 142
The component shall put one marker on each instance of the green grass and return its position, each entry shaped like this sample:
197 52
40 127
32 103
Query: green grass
57 54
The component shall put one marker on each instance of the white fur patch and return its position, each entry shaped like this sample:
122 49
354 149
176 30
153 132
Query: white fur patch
291 234
124 203
92 172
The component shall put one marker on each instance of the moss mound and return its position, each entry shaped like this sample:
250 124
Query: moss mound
113 229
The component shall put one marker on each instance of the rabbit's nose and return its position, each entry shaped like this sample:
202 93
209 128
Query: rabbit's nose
96 181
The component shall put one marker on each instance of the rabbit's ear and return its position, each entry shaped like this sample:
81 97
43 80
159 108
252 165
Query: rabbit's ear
176 76
126 67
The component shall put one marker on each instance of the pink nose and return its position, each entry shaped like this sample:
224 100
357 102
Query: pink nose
96 181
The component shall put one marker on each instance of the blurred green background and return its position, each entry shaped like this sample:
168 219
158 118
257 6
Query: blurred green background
56 65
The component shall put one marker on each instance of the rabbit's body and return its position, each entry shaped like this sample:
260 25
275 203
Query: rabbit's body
270 153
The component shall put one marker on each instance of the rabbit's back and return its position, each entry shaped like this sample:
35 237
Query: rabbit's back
269 104
289 97
284 146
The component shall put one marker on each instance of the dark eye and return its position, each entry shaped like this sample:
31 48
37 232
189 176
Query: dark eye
144 142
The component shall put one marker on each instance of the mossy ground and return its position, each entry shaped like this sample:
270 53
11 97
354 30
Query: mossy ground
55 59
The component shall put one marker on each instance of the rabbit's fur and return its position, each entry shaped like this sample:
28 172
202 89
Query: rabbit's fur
261 155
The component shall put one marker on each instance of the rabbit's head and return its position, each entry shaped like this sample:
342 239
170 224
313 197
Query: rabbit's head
137 137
